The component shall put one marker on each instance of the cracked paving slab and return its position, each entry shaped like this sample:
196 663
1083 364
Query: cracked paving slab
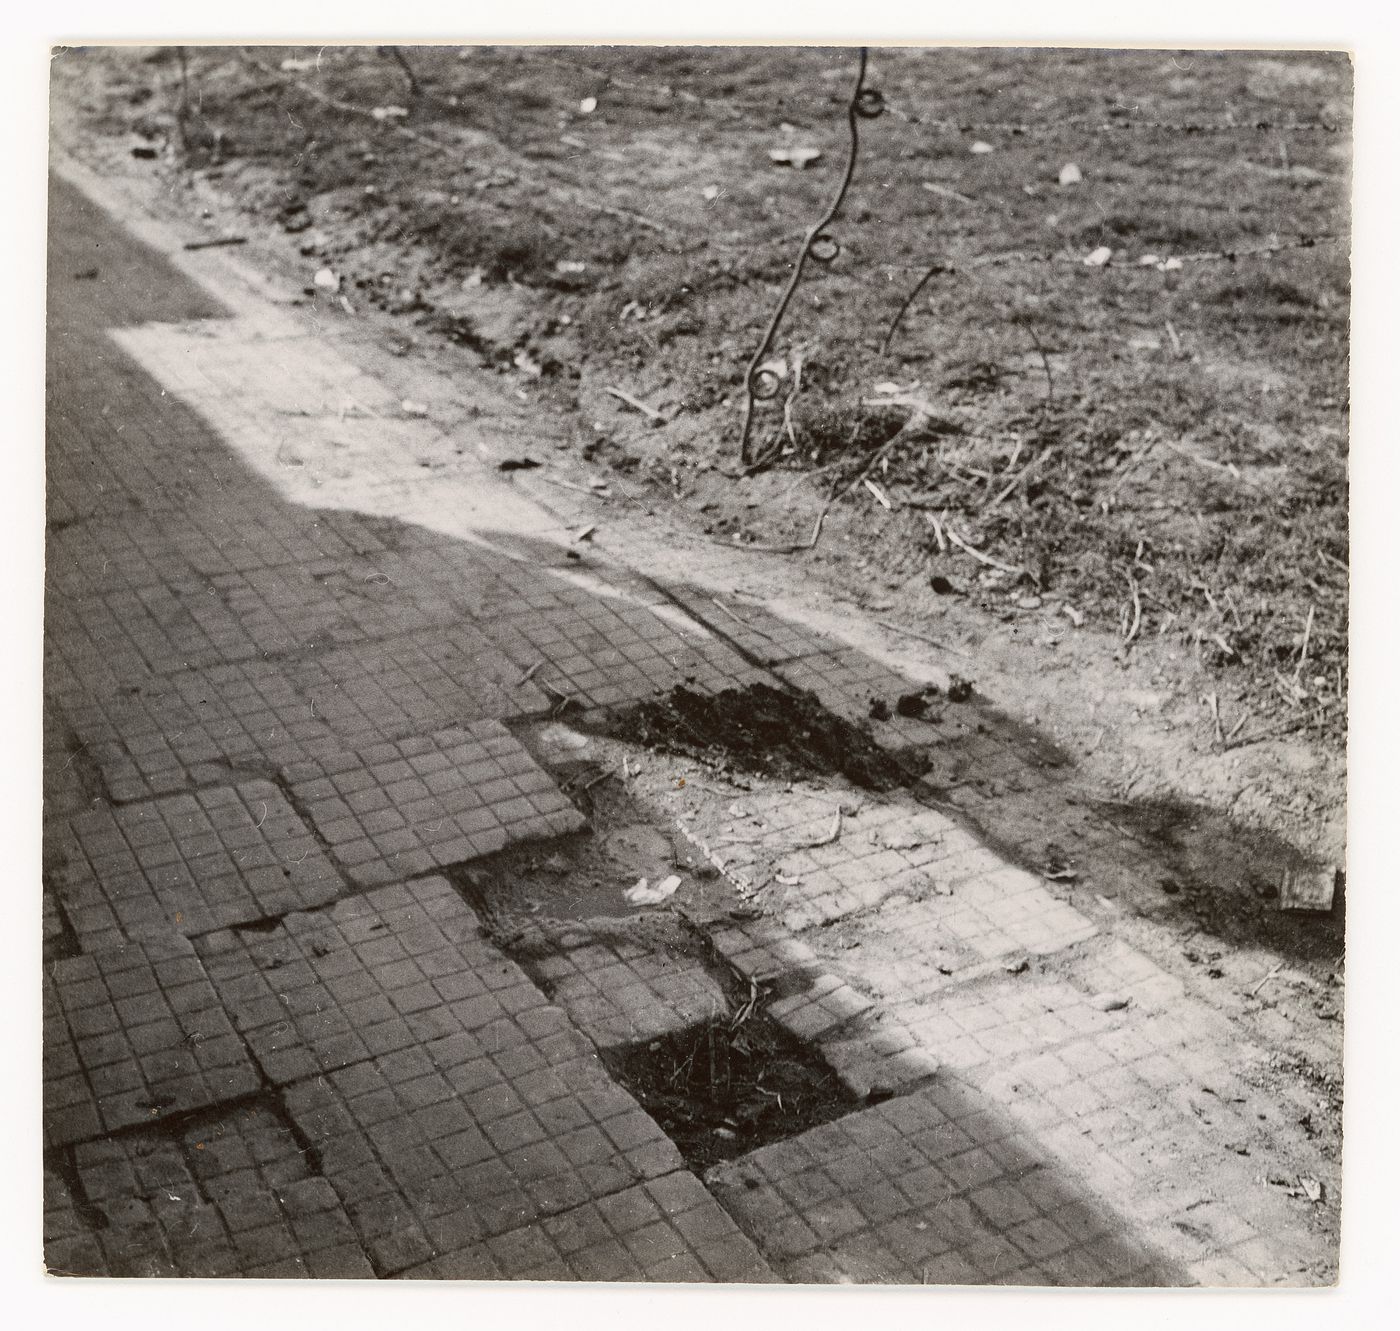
228 1193
132 1035
190 864
396 809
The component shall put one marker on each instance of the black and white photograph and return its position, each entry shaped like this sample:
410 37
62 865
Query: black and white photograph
711 663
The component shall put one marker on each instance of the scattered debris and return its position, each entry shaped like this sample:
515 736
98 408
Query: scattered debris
516 464
215 244
1070 174
833 835
915 705
637 404
981 148
1109 1002
643 893
959 689
412 408
921 637
881 497
389 112
1098 258
583 533
145 152
294 65
1018 967
1272 974
799 158
326 280
946 192
588 106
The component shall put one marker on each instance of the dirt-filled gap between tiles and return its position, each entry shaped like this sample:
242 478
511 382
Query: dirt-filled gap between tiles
725 1087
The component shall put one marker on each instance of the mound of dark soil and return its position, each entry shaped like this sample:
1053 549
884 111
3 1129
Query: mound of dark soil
773 732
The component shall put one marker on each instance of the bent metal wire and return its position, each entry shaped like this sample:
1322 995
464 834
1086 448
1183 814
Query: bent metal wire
819 245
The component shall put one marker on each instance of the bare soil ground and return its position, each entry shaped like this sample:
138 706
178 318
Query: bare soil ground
1154 453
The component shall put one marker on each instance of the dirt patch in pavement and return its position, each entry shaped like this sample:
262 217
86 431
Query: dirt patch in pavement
777 733
724 1088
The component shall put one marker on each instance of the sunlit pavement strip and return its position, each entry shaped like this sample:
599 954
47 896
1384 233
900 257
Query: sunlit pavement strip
383 1091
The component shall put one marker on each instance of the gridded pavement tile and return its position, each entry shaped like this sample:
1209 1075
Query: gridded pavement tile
401 808
131 1035
619 990
942 941
472 1134
848 681
399 686
190 728
667 1230
227 1194
119 638
189 863
756 631
869 1050
603 654
924 1189
143 549
375 974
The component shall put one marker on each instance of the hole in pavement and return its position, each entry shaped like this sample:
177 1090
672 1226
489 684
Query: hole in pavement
779 733
583 876
723 1088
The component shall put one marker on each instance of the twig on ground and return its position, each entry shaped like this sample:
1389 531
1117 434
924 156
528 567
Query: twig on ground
1176 341
978 555
215 244
1303 654
1044 360
880 496
728 611
1239 725
1227 467
1127 470
1273 972
1021 476
1137 612
826 840
947 193
637 404
570 485
1212 702
791 398
837 492
932 272
530 673
922 637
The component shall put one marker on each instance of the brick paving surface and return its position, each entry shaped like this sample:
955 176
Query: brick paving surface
278 1041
